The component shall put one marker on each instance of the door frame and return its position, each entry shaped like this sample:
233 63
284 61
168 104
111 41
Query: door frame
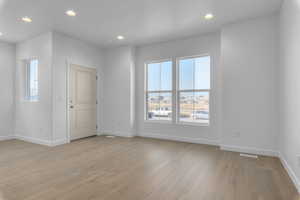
68 65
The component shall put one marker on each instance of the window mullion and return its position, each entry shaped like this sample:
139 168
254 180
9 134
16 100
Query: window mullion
27 80
206 90
193 88
174 92
147 94
147 104
160 88
159 91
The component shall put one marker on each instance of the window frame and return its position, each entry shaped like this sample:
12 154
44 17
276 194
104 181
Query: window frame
178 91
175 92
28 96
146 92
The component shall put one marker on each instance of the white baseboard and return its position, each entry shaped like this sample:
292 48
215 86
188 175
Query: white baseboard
290 172
99 134
179 139
117 133
39 141
33 140
263 152
58 142
8 137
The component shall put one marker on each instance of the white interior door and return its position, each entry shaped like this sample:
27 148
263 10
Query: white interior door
82 102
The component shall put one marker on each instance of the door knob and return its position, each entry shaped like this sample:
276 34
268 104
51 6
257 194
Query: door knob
71 106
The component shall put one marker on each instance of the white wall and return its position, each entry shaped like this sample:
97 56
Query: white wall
290 87
45 121
7 70
250 85
244 98
34 119
119 94
206 44
72 51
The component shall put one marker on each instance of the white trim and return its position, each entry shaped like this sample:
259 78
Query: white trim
193 56
197 124
40 141
158 61
118 133
8 137
158 121
180 139
290 172
68 135
33 140
99 134
59 142
249 150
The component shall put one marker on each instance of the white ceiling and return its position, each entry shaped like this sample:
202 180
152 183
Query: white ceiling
140 21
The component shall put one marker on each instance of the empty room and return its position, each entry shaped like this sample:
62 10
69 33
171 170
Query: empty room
150 100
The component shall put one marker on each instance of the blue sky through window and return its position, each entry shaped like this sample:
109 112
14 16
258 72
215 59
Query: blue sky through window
33 79
160 76
194 73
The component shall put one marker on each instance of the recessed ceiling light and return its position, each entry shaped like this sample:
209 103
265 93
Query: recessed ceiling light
26 19
1 33
209 16
120 37
71 13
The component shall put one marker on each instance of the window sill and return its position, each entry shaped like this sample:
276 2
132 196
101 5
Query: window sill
177 123
31 100
193 124
157 122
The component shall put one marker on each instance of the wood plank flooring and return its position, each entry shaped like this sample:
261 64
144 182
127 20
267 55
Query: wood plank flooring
101 168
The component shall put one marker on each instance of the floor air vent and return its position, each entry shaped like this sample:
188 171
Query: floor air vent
249 155
110 136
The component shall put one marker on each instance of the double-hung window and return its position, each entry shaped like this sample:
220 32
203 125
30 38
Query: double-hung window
192 91
32 89
159 91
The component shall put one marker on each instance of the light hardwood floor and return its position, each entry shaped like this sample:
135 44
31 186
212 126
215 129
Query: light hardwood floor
137 169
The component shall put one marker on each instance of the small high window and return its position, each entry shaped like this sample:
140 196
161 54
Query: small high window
32 86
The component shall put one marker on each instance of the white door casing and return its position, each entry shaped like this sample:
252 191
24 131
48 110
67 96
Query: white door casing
82 102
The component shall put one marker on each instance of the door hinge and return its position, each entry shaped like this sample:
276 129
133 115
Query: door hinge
96 77
96 126
96 101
